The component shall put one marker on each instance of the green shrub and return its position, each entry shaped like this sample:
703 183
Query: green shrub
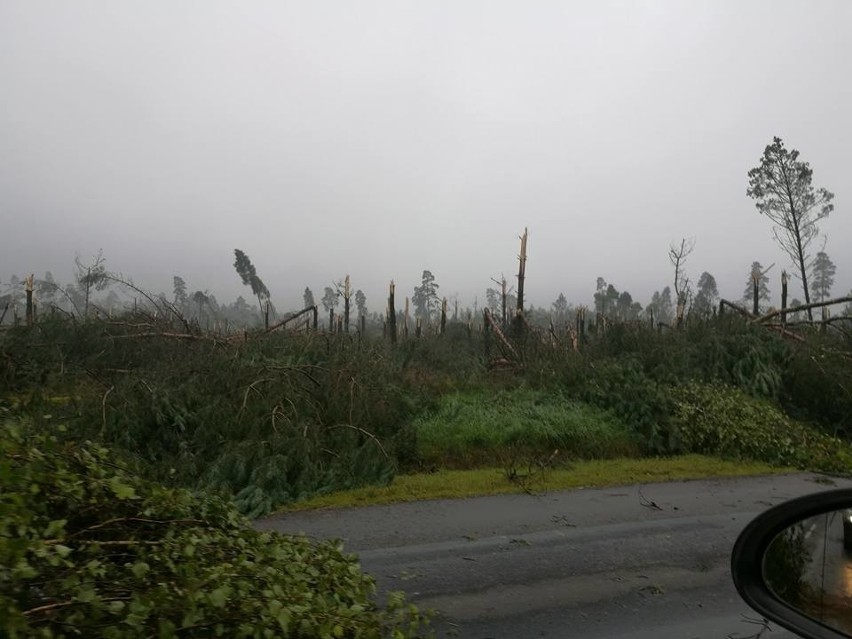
89 550
642 403
720 420
817 384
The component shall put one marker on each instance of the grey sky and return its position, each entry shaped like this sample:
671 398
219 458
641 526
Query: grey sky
383 138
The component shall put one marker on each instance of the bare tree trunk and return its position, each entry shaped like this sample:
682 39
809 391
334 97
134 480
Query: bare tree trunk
801 253
503 299
489 321
391 314
804 307
739 309
522 267
444 316
28 285
678 256
755 292
783 299
347 293
405 320
287 320
418 327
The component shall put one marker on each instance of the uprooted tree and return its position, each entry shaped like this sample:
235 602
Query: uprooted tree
782 189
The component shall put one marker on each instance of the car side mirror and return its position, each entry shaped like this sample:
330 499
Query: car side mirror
793 564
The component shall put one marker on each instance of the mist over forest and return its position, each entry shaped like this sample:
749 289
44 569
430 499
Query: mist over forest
381 141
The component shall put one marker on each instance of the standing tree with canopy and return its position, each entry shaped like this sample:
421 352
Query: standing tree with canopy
782 189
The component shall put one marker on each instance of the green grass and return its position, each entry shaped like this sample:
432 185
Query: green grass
477 428
456 484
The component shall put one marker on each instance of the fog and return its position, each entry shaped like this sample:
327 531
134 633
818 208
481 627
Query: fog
379 139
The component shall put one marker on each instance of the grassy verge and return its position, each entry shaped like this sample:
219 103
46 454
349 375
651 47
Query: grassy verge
452 484
479 428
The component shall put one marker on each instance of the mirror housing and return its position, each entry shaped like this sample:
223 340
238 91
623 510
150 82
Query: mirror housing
750 549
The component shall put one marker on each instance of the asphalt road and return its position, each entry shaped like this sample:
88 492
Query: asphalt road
648 561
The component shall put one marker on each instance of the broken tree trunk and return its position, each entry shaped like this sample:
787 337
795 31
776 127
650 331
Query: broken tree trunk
755 292
489 321
391 314
739 309
444 316
522 267
805 307
287 320
405 320
28 285
347 293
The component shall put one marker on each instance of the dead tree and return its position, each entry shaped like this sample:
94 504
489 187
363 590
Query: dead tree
28 286
804 307
444 316
522 267
739 309
581 324
505 345
346 293
287 320
391 314
405 316
756 277
677 256
503 300
783 298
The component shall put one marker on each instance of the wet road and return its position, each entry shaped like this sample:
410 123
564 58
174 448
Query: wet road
632 561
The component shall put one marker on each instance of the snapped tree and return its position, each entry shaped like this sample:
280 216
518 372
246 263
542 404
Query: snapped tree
783 191
757 288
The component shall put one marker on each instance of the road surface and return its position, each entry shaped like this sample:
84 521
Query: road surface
648 561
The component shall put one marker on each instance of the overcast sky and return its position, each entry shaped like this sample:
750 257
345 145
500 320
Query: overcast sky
383 138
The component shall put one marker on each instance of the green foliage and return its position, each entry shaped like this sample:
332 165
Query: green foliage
720 420
474 427
275 418
725 349
817 384
87 549
248 274
268 421
640 401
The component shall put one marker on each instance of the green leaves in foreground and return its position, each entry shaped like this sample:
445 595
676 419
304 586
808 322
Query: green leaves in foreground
88 550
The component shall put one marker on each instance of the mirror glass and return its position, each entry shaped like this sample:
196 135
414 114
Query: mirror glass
809 567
